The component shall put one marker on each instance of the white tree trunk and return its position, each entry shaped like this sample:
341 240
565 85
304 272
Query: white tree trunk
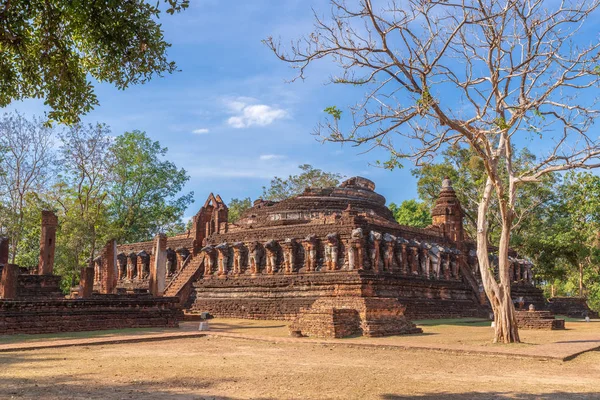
498 293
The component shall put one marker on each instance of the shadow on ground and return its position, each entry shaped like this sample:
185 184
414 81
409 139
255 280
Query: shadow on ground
80 388
454 321
496 395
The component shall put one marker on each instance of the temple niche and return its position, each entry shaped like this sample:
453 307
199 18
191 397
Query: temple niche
340 246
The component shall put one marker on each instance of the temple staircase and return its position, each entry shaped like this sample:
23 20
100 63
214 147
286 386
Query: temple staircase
181 284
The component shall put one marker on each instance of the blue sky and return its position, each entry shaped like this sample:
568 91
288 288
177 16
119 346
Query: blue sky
229 117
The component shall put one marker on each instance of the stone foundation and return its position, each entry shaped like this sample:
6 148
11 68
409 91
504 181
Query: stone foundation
97 313
530 295
282 296
39 287
574 307
543 320
337 317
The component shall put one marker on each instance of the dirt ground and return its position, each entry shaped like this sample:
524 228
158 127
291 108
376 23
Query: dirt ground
225 368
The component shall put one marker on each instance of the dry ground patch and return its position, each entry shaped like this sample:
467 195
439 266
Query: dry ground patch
228 368
224 368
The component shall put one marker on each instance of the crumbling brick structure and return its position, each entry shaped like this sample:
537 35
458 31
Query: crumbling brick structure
34 303
340 243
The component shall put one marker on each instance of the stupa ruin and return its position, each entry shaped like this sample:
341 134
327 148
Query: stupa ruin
334 261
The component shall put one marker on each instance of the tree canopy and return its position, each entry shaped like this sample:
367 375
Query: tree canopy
412 213
280 189
51 49
101 187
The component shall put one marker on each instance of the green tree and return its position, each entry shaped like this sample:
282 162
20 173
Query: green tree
280 189
412 213
466 170
52 50
565 238
144 195
237 207
82 197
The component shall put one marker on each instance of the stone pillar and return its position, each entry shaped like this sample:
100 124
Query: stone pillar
209 251
289 259
425 263
414 261
158 267
238 256
98 269
222 259
86 282
389 252
143 259
10 273
310 253
109 268
404 260
182 254
375 239
122 265
10 281
47 243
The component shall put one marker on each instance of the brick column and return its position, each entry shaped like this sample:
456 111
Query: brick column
86 282
10 280
109 267
158 267
3 251
47 243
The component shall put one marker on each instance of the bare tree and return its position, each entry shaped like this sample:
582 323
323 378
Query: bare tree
493 75
25 168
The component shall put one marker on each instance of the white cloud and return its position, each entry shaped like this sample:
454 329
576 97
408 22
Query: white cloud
248 114
200 131
267 157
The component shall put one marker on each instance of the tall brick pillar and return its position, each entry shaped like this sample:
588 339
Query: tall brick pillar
47 243
10 273
86 282
159 265
3 251
109 268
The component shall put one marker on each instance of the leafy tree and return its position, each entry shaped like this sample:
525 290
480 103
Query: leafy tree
492 76
281 189
25 169
82 196
566 237
412 213
144 193
51 49
237 207
466 170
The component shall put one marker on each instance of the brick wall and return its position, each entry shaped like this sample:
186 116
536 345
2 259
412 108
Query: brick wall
97 313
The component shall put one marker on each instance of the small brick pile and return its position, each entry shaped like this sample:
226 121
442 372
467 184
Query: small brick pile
336 317
543 320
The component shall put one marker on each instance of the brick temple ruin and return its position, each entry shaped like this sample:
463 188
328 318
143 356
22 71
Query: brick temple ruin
31 301
334 261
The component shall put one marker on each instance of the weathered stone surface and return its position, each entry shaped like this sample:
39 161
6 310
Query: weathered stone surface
97 313
47 243
344 316
543 320
86 282
9 283
575 307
